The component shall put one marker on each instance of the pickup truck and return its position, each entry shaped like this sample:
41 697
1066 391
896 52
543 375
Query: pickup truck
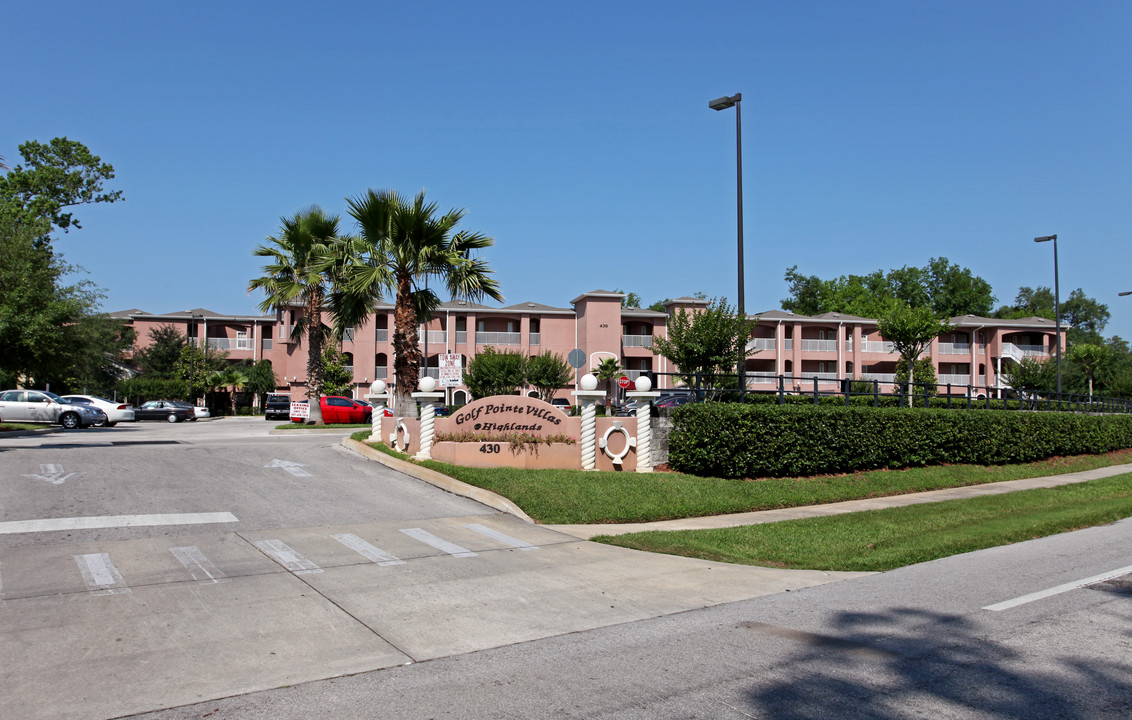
277 406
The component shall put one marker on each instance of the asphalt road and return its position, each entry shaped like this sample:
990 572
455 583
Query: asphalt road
154 566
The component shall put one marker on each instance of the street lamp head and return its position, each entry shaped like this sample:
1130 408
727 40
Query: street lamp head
725 102
1128 292
1045 238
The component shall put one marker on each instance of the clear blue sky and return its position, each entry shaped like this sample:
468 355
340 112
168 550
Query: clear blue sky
875 135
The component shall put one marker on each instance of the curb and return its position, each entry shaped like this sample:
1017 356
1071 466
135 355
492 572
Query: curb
440 480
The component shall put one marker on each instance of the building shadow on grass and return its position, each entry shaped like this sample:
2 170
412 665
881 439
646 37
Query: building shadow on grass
906 663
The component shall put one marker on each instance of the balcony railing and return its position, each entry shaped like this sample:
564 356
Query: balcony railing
430 372
944 379
536 338
879 377
641 341
225 343
877 346
348 335
955 348
436 337
819 346
380 373
381 335
819 375
266 344
761 344
461 337
497 338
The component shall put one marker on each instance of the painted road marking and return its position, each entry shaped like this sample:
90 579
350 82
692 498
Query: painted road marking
1 587
505 539
369 552
287 557
1007 604
290 466
113 521
197 564
100 575
442 545
53 474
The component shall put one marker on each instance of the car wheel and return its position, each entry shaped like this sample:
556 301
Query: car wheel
173 417
69 421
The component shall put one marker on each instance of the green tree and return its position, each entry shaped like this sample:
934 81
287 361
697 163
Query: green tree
631 299
42 317
492 372
59 175
924 372
712 342
1090 358
159 358
303 258
401 247
547 372
1083 317
337 377
1030 375
947 289
261 380
197 366
607 371
911 330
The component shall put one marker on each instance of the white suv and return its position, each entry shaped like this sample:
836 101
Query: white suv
40 406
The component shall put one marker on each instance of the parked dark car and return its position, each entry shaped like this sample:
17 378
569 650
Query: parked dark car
277 406
164 410
673 401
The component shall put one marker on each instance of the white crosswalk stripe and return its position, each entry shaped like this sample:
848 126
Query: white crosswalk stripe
442 545
288 558
496 535
366 550
100 575
199 566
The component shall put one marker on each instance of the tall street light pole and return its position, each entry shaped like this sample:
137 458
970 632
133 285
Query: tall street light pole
1056 306
724 103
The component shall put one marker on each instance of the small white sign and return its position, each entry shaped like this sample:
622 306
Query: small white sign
451 370
300 410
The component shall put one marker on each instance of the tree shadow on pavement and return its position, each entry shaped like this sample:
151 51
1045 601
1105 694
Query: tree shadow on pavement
910 663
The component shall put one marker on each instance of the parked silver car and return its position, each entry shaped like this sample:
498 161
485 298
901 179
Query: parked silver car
116 412
40 406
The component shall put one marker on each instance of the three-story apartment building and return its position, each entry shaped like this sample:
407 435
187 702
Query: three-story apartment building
828 348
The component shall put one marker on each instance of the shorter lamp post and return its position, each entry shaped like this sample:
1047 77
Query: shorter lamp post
1056 308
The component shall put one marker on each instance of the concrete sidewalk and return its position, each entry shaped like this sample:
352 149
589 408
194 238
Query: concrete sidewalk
585 532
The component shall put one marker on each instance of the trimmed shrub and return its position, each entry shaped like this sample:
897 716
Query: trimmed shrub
735 440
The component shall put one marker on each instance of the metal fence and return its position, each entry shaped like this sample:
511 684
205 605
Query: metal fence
940 395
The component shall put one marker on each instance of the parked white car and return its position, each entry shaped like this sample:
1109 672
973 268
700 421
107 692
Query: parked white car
116 412
40 406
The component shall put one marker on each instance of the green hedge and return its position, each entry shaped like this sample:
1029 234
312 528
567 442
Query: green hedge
736 440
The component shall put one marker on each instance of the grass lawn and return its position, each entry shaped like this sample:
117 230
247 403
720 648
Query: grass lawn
9 427
886 539
576 497
343 426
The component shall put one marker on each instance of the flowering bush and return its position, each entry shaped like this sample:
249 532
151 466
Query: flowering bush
518 440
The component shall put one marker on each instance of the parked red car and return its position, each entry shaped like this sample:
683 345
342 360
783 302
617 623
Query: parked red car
341 410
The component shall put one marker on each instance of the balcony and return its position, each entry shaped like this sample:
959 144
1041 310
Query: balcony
639 341
266 344
435 337
536 338
879 377
819 346
809 375
381 335
761 344
226 343
497 338
955 348
380 373
877 346
461 337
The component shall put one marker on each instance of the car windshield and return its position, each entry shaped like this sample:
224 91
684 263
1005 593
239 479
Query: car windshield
52 395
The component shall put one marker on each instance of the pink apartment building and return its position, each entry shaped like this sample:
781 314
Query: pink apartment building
830 347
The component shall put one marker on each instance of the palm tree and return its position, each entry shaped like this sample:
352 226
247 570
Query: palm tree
401 246
303 257
608 370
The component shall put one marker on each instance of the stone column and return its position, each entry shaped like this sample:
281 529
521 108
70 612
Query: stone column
378 398
587 398
427 399
644 398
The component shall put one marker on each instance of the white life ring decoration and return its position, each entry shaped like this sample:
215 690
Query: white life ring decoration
630 442
402 430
